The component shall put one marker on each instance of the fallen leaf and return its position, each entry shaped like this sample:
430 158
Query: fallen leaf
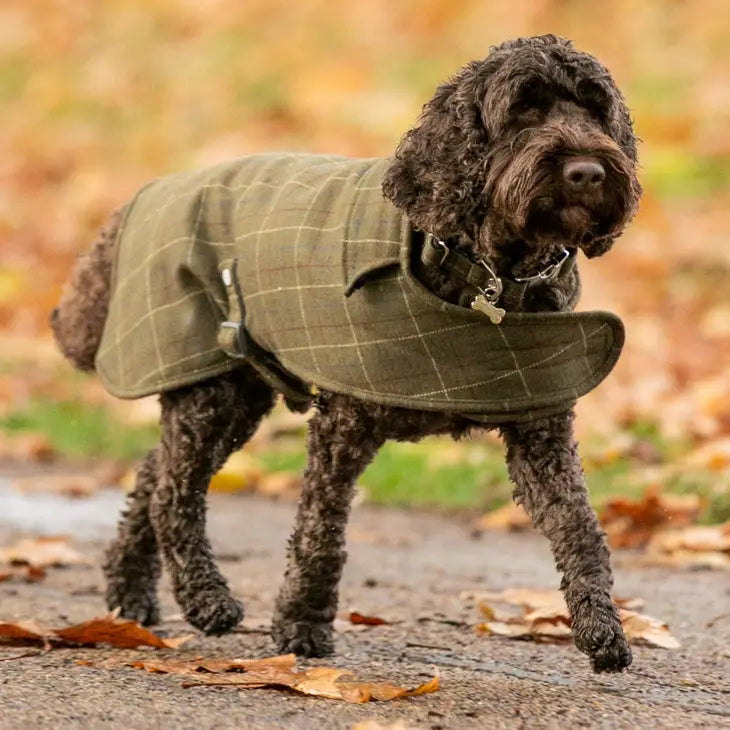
42 552
24 631
509 517
28 573
545 617
121 633
701 538
631 523
274 672
359 618
641 628
530 599
706 546
240 472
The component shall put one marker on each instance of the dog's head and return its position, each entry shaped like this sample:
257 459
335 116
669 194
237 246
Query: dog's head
521 154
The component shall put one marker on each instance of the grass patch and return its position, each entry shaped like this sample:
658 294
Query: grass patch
79 430
435 473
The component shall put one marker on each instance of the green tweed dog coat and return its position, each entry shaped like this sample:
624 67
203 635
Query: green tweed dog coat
324 267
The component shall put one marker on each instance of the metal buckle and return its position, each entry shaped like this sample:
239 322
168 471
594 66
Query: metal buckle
240 336
550 271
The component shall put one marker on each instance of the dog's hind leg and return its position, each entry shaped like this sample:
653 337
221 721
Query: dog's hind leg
201 425
543 462
132 566
342 441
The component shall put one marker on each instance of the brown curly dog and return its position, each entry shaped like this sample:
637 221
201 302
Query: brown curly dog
516 158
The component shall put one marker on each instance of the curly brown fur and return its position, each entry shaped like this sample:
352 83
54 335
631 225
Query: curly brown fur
78 321
201 426
488 168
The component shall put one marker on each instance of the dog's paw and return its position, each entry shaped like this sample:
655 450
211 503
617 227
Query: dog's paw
303 639
612 656
214 613
140 606
598 634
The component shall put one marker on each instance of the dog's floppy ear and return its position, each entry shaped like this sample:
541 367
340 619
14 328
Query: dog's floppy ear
439 170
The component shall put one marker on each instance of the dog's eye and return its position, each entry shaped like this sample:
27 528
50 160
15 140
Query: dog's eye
534 99
524 112
593 97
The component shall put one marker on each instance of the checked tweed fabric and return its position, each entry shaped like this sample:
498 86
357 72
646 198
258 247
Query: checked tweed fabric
324 265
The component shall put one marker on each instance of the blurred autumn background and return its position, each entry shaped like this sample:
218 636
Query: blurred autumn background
97 98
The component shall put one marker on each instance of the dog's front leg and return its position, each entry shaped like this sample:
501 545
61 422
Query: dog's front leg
342 441
543 462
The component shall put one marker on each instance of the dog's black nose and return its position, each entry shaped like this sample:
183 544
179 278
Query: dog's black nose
582 174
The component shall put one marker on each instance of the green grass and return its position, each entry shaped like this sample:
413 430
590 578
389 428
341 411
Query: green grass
80 430
435 473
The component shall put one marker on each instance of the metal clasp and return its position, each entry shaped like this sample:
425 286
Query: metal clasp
550 271
438 243
493 291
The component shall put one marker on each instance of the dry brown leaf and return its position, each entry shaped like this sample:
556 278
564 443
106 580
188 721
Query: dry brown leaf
641 628
242 471
631 523
21 631
701 538
705 546
545 617
121 633
530 599
42 552
511 516
359 618
275 672
28 573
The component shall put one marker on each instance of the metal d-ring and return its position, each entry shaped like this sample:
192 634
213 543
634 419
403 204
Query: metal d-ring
493 291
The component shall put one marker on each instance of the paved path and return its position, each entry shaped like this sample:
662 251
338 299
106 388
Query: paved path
402 565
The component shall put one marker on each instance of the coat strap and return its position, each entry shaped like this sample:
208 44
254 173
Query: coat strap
235 341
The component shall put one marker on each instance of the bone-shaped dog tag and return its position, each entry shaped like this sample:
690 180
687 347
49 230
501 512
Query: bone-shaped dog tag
482 304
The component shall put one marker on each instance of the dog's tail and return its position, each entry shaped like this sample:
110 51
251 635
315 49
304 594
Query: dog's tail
78 320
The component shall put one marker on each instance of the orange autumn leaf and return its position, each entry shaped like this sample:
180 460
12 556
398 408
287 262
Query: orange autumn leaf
28 573
278 672
630 523
117 632
359 618
23 631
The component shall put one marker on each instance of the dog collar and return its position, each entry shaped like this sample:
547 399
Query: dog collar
479 275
